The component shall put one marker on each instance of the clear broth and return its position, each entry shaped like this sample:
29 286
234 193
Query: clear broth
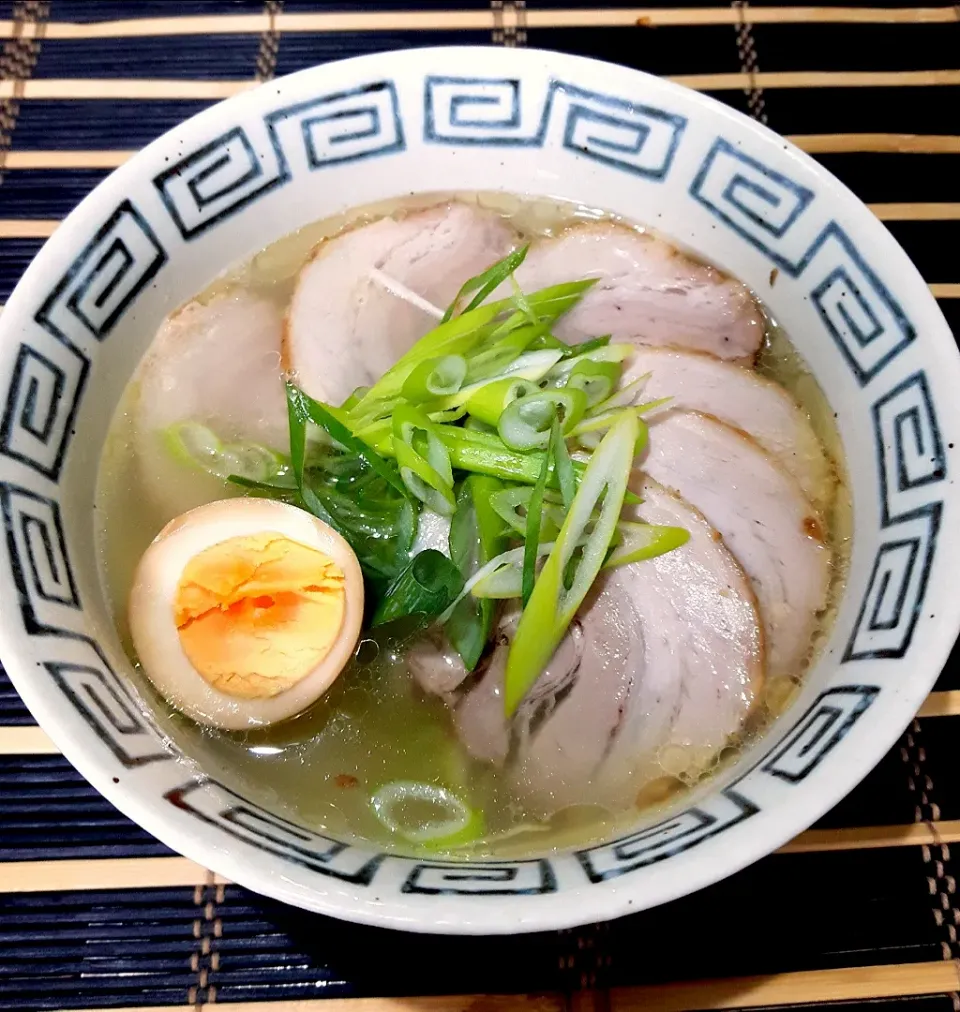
373 726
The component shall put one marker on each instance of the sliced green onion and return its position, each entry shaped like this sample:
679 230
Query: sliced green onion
591 344
596 423
470 450
505 580
531 541
193 443
522 303
636 542
596 379
588 432
475 425
489 401
599 422
278 486
531 365
552 605
525 423
499 578
332 421
604 353
623 397
563 468
446 417
508 504
377 519
425 588
297 418
370 413
460 334
487 282
251 461
548 341
358 394
502 578
590 440
456 823
455 337
478 452
378 436
198 445
436 377
648 406
424 462
492 359
549 304
484 453
477 534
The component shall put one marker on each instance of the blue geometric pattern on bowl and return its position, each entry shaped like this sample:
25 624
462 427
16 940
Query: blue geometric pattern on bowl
489 878
758 205
225 175
765 208
911 460
624 135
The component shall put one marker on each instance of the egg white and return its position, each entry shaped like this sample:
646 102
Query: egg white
154 631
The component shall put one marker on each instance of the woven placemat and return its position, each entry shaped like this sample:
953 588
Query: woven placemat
860 909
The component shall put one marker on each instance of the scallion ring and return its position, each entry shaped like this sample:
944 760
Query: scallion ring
525 423
436 377
490 401
454 819
200 446
596 379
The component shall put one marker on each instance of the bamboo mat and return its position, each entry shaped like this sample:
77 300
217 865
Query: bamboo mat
859 910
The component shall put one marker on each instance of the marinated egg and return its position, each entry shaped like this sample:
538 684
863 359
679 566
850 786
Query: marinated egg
244 611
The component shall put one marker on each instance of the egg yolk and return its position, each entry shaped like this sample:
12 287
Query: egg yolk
256 614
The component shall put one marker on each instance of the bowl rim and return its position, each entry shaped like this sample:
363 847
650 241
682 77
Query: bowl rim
567 907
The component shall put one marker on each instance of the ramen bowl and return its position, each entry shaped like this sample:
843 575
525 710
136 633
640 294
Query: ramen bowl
240 175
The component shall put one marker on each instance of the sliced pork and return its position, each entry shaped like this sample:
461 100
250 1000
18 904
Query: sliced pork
745 400
216 363
765 519
666 655
345 326
436 666
648 292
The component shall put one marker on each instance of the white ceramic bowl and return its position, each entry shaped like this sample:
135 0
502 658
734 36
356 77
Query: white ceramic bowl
248 171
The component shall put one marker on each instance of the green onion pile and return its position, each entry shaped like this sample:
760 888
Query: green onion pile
526 444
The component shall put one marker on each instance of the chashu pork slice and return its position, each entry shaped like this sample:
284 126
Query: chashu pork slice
345 328
665 656
745 400
763 516
648 292
216 363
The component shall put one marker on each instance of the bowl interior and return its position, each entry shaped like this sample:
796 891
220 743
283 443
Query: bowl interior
235 178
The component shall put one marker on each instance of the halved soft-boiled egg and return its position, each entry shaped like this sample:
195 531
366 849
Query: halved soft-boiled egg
243 612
